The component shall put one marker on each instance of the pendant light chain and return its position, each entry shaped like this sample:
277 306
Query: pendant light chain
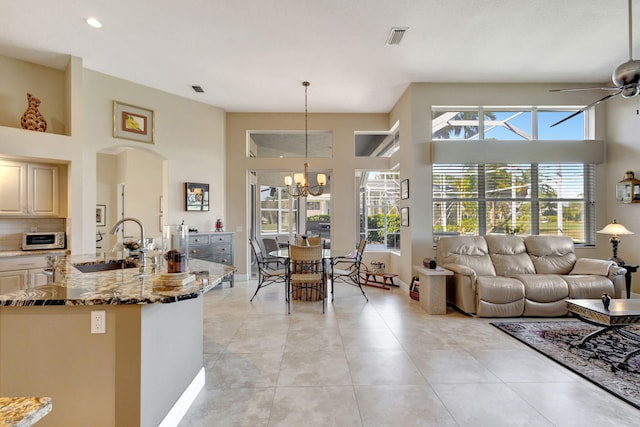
306 131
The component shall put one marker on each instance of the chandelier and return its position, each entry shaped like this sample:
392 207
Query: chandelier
298 186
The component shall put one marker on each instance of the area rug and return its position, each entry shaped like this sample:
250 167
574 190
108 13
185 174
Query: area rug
595 362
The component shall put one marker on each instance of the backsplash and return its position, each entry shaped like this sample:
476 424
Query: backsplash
11 230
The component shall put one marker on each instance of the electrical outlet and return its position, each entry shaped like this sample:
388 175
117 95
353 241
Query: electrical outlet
98 322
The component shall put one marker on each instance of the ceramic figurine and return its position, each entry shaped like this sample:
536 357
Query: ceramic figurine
32 119
606 300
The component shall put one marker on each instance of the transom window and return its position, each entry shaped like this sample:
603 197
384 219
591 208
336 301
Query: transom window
494 123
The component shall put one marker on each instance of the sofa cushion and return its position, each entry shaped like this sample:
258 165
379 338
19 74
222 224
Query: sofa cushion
588 286
471 251
499 290
509 255
551 254
543 287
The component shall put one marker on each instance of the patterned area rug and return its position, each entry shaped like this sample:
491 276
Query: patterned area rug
596 361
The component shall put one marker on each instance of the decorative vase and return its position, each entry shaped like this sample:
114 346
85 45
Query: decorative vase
32 119
606 300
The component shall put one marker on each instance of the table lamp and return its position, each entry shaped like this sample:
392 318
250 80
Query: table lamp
615 230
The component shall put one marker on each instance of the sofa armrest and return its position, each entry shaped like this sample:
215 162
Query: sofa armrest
463 270
616 270
460 269
598 267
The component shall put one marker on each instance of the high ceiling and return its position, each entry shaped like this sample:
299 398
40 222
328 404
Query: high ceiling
252 55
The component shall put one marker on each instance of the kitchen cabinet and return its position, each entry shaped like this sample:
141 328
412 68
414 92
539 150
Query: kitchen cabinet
11 281
22 272
28 189
214 247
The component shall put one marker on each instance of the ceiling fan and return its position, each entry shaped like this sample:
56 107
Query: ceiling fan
626 79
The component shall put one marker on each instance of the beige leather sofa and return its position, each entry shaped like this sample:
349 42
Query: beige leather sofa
507 276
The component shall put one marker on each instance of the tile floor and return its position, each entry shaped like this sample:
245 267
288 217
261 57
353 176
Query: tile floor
381 363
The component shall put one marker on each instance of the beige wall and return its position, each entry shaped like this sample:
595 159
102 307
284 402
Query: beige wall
190 135
415 106
623 154
342 165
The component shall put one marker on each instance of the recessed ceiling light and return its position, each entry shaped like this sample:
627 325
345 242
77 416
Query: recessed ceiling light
93 22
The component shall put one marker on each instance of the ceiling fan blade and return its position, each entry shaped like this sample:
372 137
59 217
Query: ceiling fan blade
576 89
586 108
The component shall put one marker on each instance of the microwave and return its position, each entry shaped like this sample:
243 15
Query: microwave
43 240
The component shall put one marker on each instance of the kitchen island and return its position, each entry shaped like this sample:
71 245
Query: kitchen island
144 370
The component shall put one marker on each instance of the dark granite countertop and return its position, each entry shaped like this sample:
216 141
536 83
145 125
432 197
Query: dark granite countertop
121 286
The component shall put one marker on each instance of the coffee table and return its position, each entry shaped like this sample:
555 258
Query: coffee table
621 313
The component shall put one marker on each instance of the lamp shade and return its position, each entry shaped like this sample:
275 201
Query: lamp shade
322 179
615 229
288 180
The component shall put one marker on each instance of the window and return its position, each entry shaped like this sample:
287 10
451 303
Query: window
504 123
274 210
377 144
286 144
532 188
379 211
478 199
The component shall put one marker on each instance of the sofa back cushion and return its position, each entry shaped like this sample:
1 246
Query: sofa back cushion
509 255
466 250
551 254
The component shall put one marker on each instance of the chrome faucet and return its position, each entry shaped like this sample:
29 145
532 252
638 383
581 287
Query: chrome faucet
143 249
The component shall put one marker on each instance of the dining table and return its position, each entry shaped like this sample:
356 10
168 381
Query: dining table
328 255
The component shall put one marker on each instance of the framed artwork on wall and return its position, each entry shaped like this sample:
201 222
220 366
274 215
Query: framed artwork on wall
404 189
196 196
101 215
404 217
133 123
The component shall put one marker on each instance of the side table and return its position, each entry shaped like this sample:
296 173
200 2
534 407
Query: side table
631 268
433 289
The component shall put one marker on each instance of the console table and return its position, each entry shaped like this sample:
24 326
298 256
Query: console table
213 247
433 289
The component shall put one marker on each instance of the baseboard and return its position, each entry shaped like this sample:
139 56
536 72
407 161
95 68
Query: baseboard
185 401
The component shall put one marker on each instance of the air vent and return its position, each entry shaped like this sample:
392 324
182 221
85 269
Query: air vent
197 89
396 35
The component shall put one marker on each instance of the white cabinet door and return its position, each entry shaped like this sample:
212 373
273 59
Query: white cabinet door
37 278
11 281
13 188
43 190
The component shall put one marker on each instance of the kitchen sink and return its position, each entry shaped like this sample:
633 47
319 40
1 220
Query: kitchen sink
97 266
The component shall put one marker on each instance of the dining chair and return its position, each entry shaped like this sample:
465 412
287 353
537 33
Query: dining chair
266 275
306 275
348 269
271 245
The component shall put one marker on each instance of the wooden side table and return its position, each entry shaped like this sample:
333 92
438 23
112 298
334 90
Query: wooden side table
631 268
433 289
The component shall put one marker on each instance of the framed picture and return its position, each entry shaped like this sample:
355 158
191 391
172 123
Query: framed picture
404 217
404 189
131 122
101 215
196 196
